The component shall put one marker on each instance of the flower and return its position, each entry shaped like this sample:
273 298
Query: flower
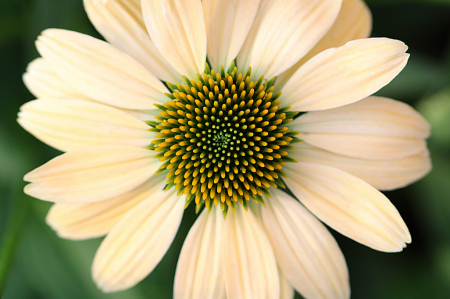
282 108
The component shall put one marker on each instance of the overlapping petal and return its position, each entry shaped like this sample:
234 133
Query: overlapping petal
122 24
381 174
75 124
250 266
340 76
353 22
305 251
283 32
374 128
138 242
286 290
177 28
84 221
100 71
91 174
227 26
93 98
349 205
42 81
144 115
200 270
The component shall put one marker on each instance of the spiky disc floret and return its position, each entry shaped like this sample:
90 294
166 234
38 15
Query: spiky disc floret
223 138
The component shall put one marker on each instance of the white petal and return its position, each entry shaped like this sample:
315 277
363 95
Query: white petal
43 82
283 32
138 242
84 221
75 124
374 128
200 271
100 71
227 26
349 205
353 22
122 24
92 174
177 27
381 174
286 290
250 266
305 251
344 75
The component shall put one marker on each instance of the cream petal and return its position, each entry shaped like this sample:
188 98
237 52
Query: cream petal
368 146
373 128
92 174
227 26
138 242
283 32
200 270
381 174
75 124
250 266
286 290
353 22
305 250
177 28
340 76
143 114
122 24
100 71
43 82
84 221
349 205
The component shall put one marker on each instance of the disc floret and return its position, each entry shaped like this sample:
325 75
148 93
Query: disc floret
223 138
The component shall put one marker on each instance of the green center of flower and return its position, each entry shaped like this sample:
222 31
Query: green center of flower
223 138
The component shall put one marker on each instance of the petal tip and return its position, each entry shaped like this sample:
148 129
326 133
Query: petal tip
50 219
29 177
104 286
396 247
29 189
51 32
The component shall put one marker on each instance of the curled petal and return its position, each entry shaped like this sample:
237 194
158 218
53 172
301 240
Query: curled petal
100 71
91 220
382 174
283 32
305 251
69 124
349 205
42 81
374 128
91 174
340 76
353 22
122 24
138 242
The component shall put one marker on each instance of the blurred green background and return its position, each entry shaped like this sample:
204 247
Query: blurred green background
35 263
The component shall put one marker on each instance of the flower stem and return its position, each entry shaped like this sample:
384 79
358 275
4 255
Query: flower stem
9 242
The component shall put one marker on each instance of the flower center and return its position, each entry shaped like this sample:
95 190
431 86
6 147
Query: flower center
223 138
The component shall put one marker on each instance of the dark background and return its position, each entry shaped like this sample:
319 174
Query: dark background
44 266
